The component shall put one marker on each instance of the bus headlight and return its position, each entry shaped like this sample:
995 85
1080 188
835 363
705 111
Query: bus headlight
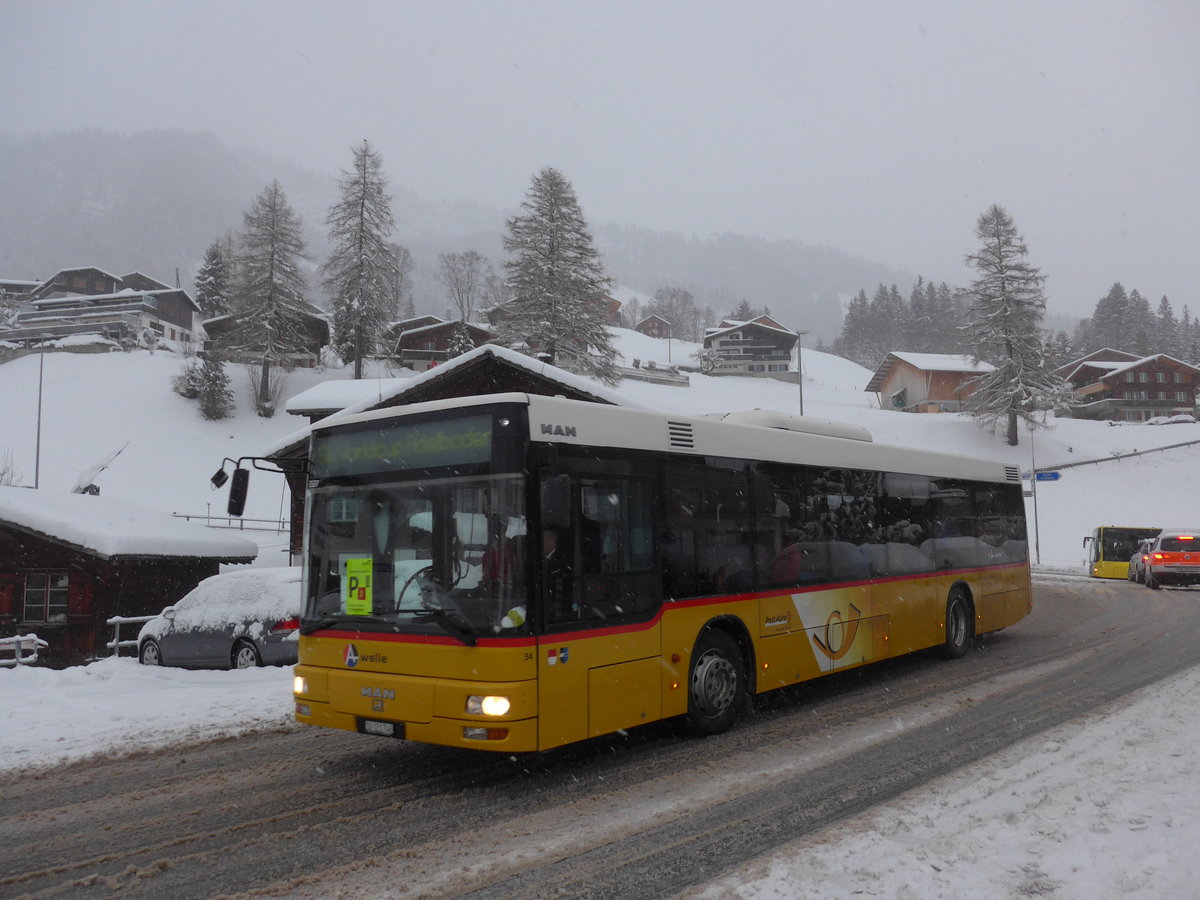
488 706
299 685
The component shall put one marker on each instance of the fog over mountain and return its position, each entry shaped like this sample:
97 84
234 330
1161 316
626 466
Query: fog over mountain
153 201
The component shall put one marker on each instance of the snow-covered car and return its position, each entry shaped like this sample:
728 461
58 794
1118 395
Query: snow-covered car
1158 420
235 620
1182 419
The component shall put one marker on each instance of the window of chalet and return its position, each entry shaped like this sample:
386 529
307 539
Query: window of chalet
1179 378
1160 376
46 597
1129 378
1143 377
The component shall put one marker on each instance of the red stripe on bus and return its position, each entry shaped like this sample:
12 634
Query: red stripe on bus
556 637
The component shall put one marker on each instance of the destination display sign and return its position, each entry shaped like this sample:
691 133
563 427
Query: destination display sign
400 446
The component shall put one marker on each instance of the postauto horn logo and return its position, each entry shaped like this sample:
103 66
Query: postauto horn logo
351 656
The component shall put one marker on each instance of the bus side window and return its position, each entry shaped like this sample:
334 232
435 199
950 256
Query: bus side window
707 540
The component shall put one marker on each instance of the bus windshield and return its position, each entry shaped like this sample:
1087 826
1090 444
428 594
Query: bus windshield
424 556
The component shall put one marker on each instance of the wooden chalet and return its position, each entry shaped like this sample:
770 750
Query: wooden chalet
221 331
654 326
925 382
69 562
425 341
1106 385
758 347
92 301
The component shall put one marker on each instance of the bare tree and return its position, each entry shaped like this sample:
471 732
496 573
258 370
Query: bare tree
465 277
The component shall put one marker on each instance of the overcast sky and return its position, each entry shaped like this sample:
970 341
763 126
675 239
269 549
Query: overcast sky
882 128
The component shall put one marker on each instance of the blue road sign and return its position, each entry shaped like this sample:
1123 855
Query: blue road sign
1047 476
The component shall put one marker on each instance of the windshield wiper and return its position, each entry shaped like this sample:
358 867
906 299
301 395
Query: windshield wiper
453 624
328 621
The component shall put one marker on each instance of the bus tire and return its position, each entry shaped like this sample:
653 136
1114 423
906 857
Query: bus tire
959 624
716 683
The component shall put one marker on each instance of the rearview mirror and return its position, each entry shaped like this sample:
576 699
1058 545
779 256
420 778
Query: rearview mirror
237 491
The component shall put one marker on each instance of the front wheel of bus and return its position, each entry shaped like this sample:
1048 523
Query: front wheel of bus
958 625
716 683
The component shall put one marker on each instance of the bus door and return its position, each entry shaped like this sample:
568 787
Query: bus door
598 654
1091 544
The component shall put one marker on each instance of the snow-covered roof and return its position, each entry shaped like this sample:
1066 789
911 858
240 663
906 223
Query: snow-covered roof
1137 363
926 362
339 393
381 395
943 362
735 325
112 528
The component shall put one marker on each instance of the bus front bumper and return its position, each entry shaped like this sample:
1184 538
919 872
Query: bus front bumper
430 710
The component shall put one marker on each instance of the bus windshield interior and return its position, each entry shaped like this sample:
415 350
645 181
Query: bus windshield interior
421 556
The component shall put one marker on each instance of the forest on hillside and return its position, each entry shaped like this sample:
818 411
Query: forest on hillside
154 201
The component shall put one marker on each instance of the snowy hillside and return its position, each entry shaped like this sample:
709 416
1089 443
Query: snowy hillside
94 404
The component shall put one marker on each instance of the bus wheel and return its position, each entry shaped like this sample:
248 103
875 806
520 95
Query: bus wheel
959 630
716 684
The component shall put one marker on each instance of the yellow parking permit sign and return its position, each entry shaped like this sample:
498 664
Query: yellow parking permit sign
356 585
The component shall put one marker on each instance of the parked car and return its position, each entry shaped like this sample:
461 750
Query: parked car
1174 558
1137 562
235 620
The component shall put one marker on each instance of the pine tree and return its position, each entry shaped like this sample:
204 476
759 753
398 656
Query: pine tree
744 312
854 339
360 273
920 329
557 282
212 283
1004 327
1110 320
270 304
1139 324
460 341
1166 329
216 399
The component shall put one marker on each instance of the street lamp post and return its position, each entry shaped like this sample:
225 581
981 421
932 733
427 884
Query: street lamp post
37 451
799 368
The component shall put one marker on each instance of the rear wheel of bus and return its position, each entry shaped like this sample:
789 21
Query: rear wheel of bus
716 683
959 624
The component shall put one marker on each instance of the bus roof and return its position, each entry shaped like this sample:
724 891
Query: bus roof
767 437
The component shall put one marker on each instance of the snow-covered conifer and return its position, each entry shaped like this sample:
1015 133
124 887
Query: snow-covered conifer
360 273
216 399
212 282
558 309
460 341
270 303
1004 327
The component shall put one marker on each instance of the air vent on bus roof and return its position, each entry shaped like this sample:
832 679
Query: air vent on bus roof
1012 473
679 434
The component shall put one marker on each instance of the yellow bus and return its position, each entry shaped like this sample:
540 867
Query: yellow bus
516 572
1110 548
